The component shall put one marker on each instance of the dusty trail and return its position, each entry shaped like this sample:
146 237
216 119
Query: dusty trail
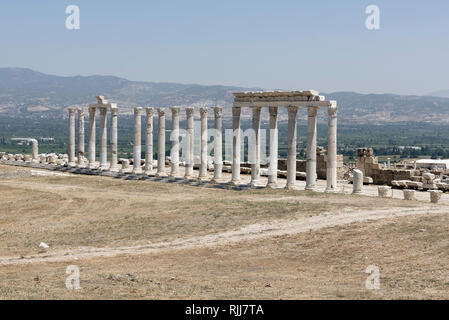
246 233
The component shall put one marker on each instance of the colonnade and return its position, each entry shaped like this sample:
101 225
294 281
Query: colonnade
255 101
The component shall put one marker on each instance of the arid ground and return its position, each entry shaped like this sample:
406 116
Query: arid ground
158 240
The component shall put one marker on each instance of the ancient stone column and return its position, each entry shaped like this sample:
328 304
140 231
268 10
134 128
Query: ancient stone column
291 153
236 111
203 155
80 137
357 181
255 147
149 142
114 161
174 138
311 148
34 150
125 166
273 166
382 191
92 141
71 151
103 139
218 152
435 196
137 150
331 173
189 143
161 143
409 194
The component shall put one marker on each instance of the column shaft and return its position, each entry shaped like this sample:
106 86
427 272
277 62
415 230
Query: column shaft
114 136
92 139
81 137
103 139
273 166
174 138
161 143
331 172
236 111
189 143
71 151
311 148
149 141
255 146
203 165
218 152
137 150
291 158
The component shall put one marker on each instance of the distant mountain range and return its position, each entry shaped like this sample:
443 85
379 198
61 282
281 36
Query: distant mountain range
24 92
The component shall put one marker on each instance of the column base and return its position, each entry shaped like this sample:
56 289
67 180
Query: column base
203 178
216 180
71 164
291 187
253 183
331 190
310 188
272 185
114 169
103 167
357 192
148 172
161 175
234 183
137 171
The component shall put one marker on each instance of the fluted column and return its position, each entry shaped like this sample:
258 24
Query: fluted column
255 146
203 165
71 151
174 138
236 111
149 141
81 137
103 139
218 152
331 174
291 158
92 139
161 143
311 148
137 150
189 143
114 136
273 167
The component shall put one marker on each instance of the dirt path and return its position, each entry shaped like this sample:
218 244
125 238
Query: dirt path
246 233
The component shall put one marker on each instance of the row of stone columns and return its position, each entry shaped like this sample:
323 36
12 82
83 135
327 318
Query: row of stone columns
218 162
291 148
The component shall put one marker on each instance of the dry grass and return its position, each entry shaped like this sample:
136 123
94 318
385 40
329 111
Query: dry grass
95 212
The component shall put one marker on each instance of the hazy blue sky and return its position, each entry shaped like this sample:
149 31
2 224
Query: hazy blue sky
320 45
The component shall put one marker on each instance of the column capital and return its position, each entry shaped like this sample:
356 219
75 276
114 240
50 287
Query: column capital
92 109
332 112
256 110
292 111
312 111
161 112
80 112
203 111
174 110
137 111
72 110
236 111
190 111
218 111
103 111
114 111
149 111
273 111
